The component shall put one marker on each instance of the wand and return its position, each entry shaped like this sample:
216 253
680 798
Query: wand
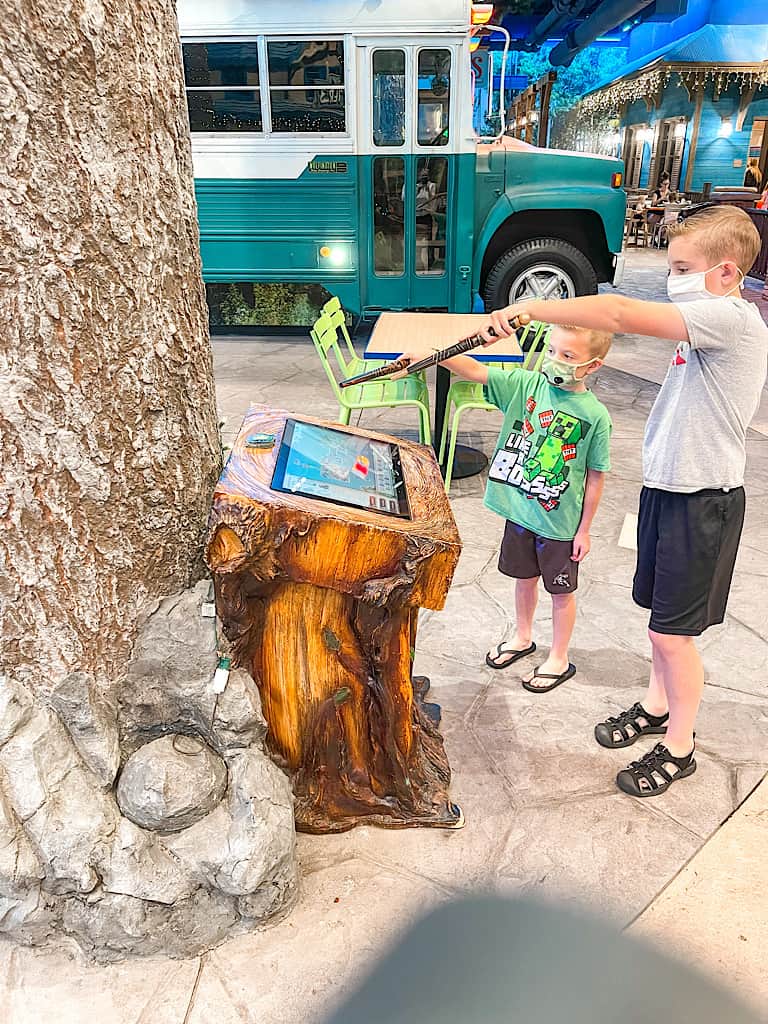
458 349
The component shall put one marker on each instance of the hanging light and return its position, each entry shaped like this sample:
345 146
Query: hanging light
481 13
726 128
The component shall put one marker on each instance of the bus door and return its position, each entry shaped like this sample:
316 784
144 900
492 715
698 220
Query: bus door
408 137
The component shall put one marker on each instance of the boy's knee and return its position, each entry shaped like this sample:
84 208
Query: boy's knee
562 600
669 642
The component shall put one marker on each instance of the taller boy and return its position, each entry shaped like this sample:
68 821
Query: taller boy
694 453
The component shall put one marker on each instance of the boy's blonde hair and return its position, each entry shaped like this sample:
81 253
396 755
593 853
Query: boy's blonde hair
598 342
721 233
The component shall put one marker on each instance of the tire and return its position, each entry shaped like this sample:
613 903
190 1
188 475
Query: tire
562 270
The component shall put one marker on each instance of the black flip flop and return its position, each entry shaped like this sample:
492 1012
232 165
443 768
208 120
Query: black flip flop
515 655
569 673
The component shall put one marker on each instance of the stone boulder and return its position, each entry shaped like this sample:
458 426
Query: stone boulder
171 782
196 839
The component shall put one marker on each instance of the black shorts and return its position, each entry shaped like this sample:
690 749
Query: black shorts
525 555
686 551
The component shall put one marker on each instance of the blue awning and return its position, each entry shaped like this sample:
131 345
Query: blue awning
712 44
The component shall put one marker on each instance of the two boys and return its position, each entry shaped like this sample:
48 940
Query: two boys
692 503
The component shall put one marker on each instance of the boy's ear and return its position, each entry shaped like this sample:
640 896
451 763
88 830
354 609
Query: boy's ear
594 366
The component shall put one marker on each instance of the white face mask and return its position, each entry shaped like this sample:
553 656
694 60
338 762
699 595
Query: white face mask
689 287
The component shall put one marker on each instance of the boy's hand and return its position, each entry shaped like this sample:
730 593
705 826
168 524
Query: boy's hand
582 543
500 323
411 357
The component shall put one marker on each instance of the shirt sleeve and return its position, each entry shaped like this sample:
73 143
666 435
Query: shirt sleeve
503 387
599 454
713 323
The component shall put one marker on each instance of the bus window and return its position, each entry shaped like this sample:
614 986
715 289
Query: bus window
434 97
388 221
222 87
431 204
388 98
306 86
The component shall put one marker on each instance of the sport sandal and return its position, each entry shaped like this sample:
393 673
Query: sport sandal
655 772
625 728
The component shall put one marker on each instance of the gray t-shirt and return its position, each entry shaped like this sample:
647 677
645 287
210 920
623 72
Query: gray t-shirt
695 436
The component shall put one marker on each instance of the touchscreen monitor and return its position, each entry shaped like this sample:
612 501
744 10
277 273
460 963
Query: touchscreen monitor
332 465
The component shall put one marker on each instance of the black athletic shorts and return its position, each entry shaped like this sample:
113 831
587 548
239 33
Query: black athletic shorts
686 551
524 555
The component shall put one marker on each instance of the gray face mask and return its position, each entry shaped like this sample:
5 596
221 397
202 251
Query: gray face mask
560 374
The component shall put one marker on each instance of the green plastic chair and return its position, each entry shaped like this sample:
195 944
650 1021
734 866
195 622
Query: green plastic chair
374 394
467 394
355 364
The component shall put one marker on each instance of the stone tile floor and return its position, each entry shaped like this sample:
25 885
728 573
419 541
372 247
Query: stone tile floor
543 815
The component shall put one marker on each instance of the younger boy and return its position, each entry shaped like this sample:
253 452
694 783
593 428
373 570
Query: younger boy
546 480
694 453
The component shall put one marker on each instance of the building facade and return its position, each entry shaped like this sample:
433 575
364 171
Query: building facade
692 101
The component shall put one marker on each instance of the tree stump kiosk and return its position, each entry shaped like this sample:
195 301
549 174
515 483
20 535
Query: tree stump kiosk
320 603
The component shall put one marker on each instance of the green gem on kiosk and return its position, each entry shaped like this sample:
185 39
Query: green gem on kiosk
260 441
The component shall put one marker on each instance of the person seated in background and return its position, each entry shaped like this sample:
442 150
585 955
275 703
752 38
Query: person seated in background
753 177
762 202
661 194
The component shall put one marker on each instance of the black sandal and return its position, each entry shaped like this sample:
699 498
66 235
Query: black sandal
630 725
502 649
569 673
651 775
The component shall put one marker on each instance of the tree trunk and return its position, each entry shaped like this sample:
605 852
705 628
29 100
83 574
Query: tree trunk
108 459
320 602
107 413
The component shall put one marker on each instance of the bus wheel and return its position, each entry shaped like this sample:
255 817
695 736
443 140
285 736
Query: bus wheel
542 268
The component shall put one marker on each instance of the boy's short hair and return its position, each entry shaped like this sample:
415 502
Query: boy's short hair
722 233
598 342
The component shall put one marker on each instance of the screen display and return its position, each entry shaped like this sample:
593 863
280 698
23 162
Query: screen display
320 462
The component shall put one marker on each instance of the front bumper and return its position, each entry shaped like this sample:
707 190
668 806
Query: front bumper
618 270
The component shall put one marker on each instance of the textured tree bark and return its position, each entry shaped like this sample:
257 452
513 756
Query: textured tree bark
107 413
320 604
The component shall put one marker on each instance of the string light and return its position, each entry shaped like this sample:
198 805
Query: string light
693 77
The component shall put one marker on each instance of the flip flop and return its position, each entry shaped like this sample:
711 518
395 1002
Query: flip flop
558 680
501 649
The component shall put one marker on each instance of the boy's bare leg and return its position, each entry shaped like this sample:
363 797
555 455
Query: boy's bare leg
655 702
682 674
563 621
526 599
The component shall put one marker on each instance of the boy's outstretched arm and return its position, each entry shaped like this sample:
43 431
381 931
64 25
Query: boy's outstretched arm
615 313
593 492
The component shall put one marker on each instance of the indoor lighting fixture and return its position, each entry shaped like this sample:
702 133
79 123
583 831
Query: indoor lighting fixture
680 130
481 13
726 128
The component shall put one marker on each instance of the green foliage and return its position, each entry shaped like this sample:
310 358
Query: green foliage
274 305
590 67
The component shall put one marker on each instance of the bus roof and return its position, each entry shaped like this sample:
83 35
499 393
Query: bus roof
227 18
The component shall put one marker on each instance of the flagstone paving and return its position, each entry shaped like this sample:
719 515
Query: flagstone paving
543 816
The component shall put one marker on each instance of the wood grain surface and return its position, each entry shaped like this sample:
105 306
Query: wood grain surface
320 604
422 333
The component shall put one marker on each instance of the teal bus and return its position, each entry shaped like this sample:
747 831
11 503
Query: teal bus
332 145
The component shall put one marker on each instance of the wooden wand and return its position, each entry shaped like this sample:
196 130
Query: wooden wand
403 366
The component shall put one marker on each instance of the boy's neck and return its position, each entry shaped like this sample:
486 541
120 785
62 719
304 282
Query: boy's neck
576 388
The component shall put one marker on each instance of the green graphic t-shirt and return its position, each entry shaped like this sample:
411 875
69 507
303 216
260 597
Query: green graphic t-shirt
549 440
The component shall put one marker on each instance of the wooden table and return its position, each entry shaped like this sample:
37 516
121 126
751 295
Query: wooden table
422 333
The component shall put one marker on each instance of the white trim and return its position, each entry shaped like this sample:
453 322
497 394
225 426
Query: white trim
384 17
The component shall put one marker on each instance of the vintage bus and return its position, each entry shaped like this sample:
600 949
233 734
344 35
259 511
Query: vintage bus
332 144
